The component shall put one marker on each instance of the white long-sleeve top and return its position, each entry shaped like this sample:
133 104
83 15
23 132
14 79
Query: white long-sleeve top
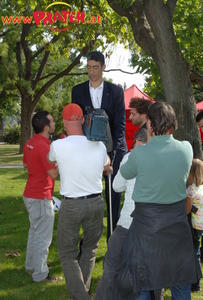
119 185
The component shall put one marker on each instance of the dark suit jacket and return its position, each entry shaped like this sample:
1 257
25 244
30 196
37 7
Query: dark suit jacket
112 103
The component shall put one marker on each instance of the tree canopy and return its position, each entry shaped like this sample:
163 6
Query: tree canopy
36 54
188 29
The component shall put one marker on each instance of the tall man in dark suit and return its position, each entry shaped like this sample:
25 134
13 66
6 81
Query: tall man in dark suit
97 93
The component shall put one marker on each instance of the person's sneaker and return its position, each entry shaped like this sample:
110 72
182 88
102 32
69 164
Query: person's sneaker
53 278
195 289
30 272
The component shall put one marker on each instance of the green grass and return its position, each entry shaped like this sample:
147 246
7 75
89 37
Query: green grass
9 154
15 283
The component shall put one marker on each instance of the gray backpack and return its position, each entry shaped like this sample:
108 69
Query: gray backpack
96 127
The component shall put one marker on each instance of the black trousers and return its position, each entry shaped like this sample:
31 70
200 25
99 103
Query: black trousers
157 294
115 197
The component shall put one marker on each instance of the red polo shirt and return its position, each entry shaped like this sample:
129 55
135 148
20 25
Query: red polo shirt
39 184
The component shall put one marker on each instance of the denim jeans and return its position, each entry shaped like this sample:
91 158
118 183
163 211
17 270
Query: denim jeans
41 216
197 241
181 292
178 293
144 296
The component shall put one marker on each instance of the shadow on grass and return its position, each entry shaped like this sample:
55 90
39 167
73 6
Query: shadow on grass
22 287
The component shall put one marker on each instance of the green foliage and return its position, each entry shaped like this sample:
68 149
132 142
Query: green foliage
187 24
11 134
31 61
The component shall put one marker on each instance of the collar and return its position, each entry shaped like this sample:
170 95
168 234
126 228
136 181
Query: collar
42 138
161 138
99 87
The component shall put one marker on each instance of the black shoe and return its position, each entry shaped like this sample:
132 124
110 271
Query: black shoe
195 289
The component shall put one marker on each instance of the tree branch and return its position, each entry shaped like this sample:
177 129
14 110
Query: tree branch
85 73
43 64
64 72
54 40
196 78
28 53
117 8
19 59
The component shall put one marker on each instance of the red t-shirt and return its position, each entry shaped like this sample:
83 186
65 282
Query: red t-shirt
39 184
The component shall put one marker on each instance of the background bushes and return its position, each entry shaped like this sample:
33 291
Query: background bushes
11 134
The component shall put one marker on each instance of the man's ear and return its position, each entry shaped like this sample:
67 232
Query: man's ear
149 124
83 120
103 67
46 128
149 128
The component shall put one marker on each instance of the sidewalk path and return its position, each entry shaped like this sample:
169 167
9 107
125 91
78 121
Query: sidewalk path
19 166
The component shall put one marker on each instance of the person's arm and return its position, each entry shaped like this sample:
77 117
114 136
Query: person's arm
188 204
74 96
129 169
24 158
108 169
191 194
51 169
53 173
119 183
50 161
119 119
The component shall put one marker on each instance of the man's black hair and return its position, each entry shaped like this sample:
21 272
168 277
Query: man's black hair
199 116
97 56
39 121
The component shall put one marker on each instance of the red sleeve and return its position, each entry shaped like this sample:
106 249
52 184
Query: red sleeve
45 163
24 154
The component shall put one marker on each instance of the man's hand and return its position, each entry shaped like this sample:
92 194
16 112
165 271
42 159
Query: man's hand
53 173
108 171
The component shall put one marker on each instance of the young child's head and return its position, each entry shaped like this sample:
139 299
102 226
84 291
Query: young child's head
140 137
196 172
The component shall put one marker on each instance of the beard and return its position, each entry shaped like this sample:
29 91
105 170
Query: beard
51 131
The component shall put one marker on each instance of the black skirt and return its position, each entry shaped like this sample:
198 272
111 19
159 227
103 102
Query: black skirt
158 252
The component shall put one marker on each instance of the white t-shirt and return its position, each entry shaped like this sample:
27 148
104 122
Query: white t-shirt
120 184
81 163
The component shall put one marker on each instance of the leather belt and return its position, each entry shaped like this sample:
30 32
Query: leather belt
82 197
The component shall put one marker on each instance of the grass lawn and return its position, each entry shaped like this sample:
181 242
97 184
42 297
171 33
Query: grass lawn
9 154
15 283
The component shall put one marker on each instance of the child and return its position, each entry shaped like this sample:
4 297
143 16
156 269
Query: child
195 200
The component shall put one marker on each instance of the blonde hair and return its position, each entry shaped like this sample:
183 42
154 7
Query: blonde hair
196 171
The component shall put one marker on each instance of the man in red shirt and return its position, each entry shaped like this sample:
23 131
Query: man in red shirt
38 196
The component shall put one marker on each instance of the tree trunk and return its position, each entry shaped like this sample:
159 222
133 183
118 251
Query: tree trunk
151 22
26 116
175 75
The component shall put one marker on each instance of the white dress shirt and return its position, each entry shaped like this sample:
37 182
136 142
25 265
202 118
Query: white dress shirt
96 95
